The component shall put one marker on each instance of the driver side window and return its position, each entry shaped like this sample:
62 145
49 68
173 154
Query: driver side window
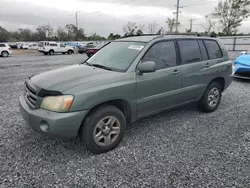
163 54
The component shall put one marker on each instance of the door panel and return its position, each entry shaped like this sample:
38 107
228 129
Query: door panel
158 90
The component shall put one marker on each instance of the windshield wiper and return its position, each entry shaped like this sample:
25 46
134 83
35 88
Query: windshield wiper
87 63
102 67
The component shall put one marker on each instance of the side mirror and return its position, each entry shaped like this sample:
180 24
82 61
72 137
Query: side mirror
147 67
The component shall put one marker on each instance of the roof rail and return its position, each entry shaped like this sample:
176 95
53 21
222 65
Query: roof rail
139 35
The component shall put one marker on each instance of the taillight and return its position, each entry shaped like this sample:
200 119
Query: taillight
10 49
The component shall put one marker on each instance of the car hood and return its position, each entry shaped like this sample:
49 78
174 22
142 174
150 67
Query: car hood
243 60
71 76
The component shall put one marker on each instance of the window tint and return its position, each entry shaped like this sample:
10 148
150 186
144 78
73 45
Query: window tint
62 45
203 50
163 54
213 49
53 44
2 45
190 51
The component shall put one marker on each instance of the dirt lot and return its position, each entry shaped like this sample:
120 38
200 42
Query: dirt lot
180 148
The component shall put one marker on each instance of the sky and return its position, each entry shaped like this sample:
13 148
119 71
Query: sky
105 16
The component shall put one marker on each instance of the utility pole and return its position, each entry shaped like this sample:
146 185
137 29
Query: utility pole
76 21
177 15
191 24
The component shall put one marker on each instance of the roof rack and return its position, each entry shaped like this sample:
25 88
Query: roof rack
139 35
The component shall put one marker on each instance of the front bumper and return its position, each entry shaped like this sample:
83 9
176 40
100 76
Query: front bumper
242 72
63 125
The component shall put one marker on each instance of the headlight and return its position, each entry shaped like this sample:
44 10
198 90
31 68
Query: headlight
60 103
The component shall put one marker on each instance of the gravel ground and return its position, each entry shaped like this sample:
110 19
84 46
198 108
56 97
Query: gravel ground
180 148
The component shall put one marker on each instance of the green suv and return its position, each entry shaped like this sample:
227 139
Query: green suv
127 79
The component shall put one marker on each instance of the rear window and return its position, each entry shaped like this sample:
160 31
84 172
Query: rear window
213 49
190 51
2 45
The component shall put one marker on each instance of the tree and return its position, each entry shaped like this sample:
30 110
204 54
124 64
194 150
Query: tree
171 24
94 37
61 34
160 31
152 28
208 25
139 32
41 32
113 37
4 35
130 28
231 13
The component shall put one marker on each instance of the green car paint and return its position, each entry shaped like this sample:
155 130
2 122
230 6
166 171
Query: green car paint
143 94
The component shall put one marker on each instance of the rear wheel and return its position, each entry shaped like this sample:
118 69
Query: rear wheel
51 52
211 98
4 54
70 52
103 129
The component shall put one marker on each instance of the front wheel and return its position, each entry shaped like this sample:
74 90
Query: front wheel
211 98
103 129
70 52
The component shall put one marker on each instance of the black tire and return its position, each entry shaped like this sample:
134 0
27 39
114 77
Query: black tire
63 53
90 124
70 52
45 53
4 54
51 52
80 52
203 103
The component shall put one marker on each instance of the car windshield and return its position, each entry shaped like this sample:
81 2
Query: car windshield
117 55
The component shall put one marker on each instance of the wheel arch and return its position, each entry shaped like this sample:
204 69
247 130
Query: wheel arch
220 80
121 104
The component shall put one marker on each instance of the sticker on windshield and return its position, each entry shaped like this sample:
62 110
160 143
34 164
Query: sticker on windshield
135 47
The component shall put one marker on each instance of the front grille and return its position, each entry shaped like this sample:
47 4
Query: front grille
30 95
242 74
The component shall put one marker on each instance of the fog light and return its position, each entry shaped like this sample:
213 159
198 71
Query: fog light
44 126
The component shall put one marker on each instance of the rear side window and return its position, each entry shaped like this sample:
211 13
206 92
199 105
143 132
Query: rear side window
2 45
190 51
53 44
213 49
203 50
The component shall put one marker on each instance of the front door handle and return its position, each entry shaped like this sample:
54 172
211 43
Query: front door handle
176 72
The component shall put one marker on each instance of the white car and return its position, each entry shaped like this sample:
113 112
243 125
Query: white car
5 50
50 48
33 46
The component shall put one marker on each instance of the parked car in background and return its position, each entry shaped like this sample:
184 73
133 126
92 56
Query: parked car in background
33 46
5 50
13 45
51 48
128 79
83 49
92 51
24 46
241 66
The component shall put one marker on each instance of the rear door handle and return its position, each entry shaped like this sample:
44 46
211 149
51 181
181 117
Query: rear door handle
176 72
207 65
